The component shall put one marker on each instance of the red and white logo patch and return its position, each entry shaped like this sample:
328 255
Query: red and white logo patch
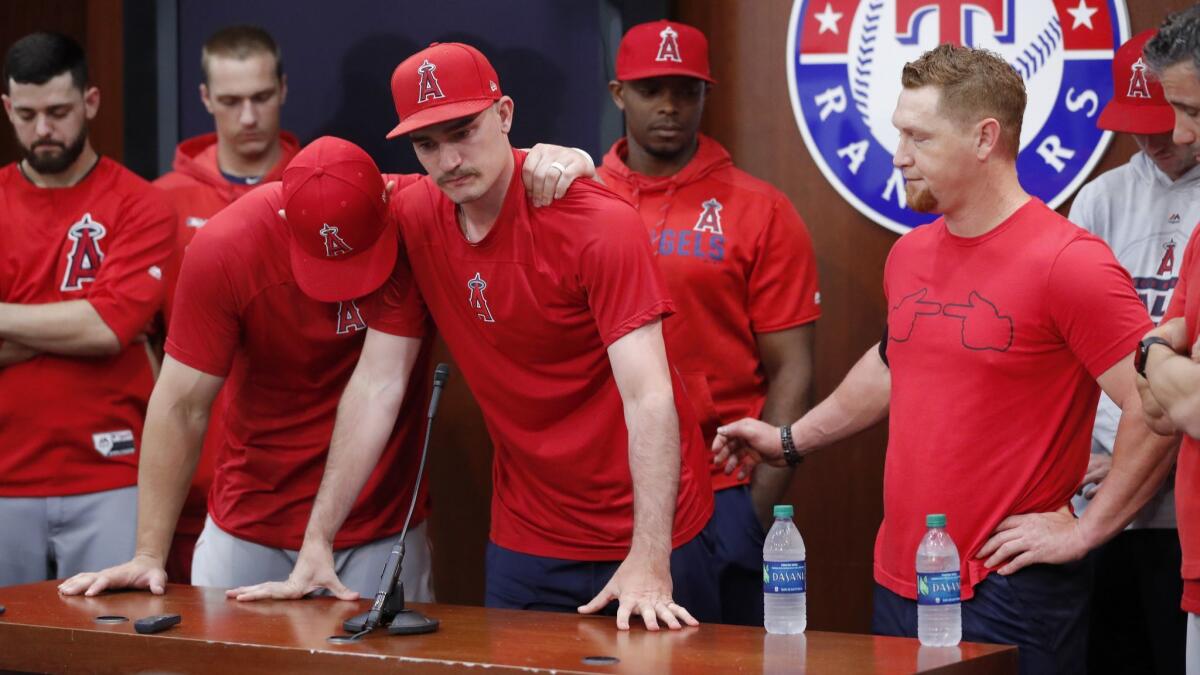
710 217
349 319
428 87
668 48
477 300
1137 81
334 244
83 261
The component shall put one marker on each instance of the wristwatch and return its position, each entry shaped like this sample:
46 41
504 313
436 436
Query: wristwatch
1143 350
790 454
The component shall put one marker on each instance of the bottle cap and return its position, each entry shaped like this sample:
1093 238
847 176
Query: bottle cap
783 511
935 520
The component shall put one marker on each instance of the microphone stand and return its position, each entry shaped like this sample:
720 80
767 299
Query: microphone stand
388 607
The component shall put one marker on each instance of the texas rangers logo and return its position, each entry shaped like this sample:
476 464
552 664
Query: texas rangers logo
334 244
668 48
349 318
428 87
85 256
710 217
477 300
844 63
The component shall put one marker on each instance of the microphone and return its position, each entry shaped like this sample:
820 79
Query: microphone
389 599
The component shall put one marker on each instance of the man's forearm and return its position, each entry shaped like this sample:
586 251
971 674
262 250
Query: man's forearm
654 459
1141 461
69 328
861 400
365 417
1175 382
171 444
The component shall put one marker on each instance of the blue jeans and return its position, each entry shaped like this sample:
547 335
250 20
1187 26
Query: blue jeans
522 581
739 557
1042 609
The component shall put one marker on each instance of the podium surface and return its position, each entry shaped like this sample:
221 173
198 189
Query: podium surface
43 631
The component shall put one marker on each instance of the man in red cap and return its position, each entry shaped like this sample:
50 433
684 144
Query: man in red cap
739 265
1146 210
268 310
244 89
553 315
1170 364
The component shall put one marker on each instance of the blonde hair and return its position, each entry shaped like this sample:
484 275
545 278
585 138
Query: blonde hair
975 84
240 42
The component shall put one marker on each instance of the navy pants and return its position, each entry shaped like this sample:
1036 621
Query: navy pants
522 581
1042 609
739 557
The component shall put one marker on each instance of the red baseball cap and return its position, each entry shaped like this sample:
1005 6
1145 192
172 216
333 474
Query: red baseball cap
343 245
442 82
1138 105
663 48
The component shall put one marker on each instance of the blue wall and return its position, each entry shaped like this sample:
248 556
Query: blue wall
339 57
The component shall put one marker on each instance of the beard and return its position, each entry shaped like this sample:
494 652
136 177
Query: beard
57 162
920 200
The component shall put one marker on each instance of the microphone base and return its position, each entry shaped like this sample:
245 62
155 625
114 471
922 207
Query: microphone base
405 622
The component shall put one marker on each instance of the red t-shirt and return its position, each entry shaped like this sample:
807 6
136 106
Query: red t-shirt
738 262
1187 468
196 190
994 343
71 425
286 359
528 314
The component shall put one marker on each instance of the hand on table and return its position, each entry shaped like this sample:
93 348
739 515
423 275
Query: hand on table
142 572
313 571
644 588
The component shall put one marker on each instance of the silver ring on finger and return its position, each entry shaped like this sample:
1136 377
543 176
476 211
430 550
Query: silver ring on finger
559 166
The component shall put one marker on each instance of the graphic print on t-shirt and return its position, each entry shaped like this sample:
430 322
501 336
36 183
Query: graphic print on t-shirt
83 262
477 300
983 325
349 319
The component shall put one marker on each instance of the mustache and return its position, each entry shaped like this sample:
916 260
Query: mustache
49 144
449 177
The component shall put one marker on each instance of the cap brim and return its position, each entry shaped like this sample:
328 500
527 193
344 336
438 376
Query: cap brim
338 279
1136 119
644 73
439 114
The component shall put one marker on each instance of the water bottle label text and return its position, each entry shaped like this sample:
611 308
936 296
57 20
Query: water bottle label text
938 588
784 577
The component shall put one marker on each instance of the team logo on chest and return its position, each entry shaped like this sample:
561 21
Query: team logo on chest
477 300
85 256
349 318
428 87
334 244
844 63
668 47
1167 264
710 217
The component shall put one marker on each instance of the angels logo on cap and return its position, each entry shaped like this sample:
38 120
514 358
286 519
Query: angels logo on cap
668 49
844 64
428 86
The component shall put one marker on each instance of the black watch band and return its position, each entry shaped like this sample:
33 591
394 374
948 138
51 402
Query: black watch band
790 454
1143 353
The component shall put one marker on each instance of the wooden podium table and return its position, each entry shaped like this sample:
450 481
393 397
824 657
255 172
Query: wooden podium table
45 632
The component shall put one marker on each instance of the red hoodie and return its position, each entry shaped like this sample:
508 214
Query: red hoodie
196 190
738 261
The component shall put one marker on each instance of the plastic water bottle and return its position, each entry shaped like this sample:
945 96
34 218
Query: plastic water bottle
939 607
784 576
